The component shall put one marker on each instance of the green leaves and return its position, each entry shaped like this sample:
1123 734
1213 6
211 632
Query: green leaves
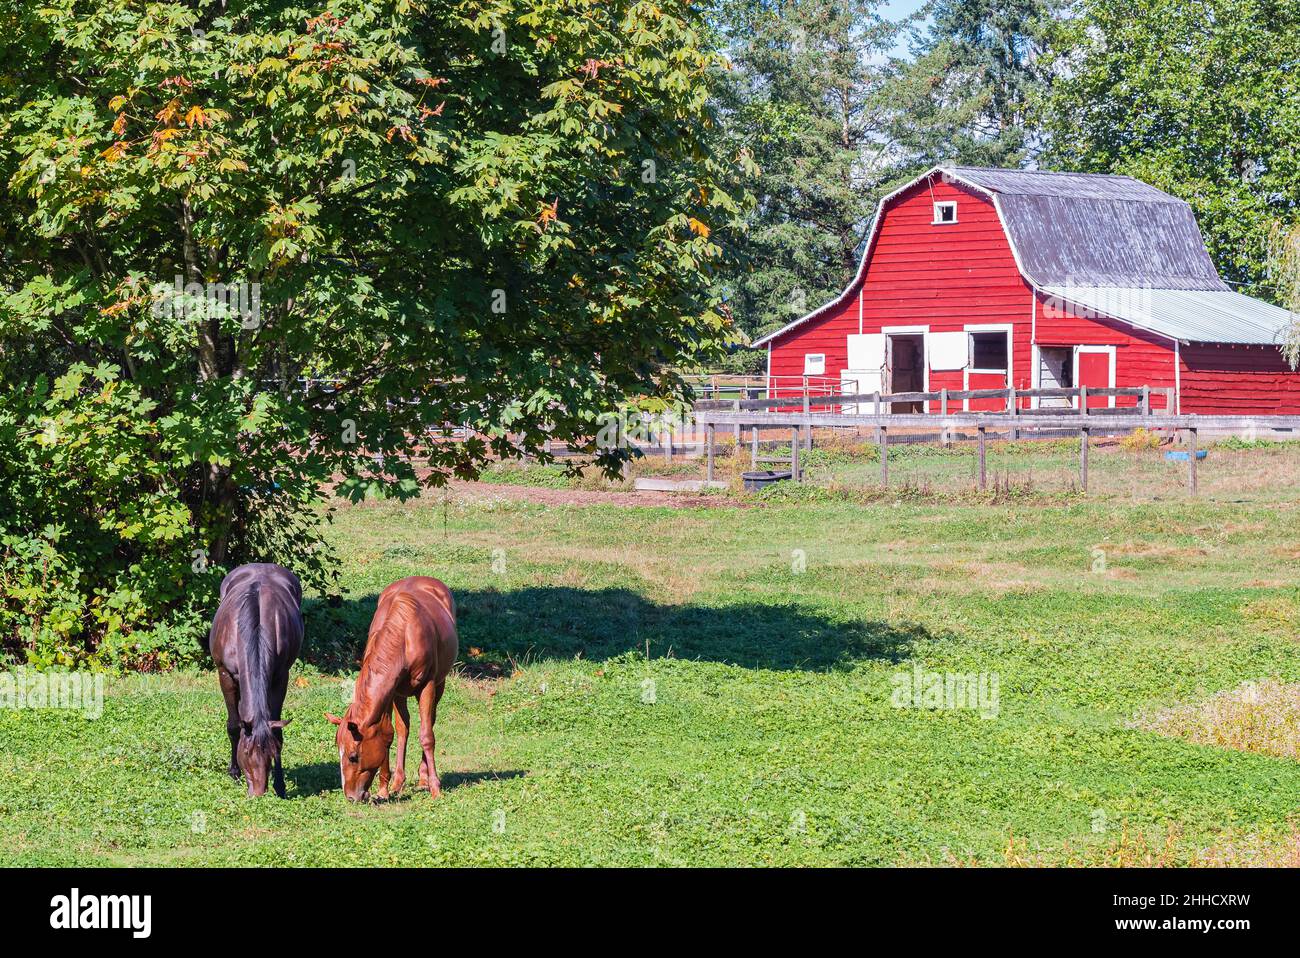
1197 99
248 254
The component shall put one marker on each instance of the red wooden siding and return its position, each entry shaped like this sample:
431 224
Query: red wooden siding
1218 378
944 277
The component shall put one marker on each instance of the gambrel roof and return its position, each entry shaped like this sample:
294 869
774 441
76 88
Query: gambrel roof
1096 229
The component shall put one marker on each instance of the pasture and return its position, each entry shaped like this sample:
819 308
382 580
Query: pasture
716 684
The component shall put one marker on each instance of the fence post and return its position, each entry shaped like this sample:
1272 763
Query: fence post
983 475
668 444
875 396
708 445
1146 400
1083 458
1191 460
735 407
1083 400
943 401
1011 411
753 446
808 433
795 440
884 457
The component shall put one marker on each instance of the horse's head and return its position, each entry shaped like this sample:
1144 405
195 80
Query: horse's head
363 749
258 751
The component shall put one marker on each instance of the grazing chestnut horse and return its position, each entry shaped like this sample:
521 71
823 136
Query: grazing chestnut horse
255 637
411 648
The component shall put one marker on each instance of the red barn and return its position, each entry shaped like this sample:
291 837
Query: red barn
981 278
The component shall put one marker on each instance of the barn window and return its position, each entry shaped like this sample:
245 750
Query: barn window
814 364
945 213
988 352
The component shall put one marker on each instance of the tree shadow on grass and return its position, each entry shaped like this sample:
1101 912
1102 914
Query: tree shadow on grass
559 622
321 777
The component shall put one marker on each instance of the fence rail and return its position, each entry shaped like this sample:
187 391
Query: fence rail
1011 397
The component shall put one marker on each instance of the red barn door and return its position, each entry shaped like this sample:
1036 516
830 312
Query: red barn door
1095 369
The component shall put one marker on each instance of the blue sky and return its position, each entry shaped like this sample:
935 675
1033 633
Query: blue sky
896 10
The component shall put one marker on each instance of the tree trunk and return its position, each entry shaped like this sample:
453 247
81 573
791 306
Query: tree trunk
218 493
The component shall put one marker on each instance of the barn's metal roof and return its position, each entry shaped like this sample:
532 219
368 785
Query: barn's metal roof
1098 186
1097 231
1207 316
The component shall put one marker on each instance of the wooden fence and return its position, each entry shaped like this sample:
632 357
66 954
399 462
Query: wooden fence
1080 399
832 411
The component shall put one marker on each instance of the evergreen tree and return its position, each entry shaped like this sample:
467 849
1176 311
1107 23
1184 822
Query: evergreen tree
804 100
1197 98
968 94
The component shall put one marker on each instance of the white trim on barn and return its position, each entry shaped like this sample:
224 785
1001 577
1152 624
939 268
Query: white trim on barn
1009 329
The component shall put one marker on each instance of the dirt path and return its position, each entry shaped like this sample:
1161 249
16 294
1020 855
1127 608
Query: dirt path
587 497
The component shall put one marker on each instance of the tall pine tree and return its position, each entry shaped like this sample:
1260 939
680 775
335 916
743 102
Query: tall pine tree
804 99
968 95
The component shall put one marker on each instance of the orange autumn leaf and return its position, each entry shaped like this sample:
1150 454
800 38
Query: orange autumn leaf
475 652
119 125
196 117
169 111
301 682
698 228
549 213
118 307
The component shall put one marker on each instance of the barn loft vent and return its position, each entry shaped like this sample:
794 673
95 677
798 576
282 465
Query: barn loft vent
945 212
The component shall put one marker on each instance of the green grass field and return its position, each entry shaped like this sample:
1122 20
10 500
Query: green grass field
715 685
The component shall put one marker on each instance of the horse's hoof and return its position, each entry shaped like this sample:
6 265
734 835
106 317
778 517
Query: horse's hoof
234 772
435 789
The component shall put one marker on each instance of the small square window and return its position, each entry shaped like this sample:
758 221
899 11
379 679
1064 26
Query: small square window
814 364
945 213
988 352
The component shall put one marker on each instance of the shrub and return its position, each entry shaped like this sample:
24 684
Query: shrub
1140 439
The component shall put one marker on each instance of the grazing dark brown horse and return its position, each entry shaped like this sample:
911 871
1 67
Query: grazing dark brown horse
411 648
255 637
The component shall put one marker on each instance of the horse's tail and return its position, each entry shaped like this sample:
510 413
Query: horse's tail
254 689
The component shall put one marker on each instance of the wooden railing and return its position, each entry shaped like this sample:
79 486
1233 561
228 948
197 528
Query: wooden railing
883 403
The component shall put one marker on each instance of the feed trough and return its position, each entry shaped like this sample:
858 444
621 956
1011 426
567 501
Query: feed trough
756 481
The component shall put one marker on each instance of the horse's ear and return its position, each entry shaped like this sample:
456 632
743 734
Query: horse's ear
333 719
279 723
356 732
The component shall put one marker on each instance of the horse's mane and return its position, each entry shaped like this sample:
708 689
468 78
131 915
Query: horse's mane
254 669
387 658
